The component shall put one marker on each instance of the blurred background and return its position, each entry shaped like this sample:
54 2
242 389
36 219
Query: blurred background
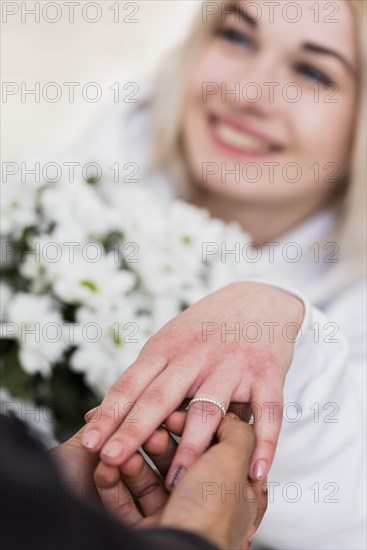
43 46
124 44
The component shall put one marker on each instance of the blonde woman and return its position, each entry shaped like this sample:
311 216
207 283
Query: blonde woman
278 89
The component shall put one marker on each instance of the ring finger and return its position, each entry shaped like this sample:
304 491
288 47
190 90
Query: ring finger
202 421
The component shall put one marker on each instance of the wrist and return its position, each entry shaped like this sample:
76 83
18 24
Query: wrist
295 302
299 308
295 297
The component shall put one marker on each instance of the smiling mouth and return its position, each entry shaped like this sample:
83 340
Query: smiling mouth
240 139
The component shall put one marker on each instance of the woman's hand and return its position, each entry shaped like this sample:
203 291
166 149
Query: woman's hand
234 345
202 502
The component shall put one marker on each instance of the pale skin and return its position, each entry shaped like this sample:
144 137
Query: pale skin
176 363
273 55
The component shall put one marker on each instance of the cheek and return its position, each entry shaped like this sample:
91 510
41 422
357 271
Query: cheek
207 71
212 67
325 135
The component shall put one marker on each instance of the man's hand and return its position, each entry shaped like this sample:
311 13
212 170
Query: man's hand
77 467
214 498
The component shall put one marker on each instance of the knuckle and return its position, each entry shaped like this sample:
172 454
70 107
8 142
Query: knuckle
108 414
105 478
156 344
147 490
155 395
125 509
191 449
109 419
150 344
104 422
269 441
124 384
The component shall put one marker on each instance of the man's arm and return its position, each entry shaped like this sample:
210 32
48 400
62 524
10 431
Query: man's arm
41 512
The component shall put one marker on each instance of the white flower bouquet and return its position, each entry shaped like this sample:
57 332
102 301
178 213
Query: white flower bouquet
90 270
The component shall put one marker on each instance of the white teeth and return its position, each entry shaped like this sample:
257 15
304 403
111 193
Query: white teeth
240 139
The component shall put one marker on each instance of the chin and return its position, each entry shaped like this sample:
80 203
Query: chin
236 191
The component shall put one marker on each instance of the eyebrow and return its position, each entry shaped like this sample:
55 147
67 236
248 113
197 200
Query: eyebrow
325 51
236 9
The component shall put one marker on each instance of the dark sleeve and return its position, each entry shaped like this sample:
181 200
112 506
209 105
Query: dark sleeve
39 513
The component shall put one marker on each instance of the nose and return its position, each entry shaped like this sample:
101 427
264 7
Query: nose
257 85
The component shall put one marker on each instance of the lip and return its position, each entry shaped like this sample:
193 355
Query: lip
212 119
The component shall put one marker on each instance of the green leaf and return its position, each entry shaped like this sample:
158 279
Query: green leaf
89 284
186 239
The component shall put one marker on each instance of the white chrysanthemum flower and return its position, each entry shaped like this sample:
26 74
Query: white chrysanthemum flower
39 330
91 283
164 308
78 205
108 340
173 255
180 250
17 208
81 275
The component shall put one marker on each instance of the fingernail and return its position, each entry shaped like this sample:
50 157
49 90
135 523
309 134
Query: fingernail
91 439
233 415
260 468
113 449
89 414
176 476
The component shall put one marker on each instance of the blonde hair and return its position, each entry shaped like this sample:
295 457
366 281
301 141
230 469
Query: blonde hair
168 106
352 233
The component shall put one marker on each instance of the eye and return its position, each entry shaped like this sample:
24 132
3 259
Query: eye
235 37
311 73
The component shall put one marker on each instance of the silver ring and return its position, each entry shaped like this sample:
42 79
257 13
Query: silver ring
208 400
